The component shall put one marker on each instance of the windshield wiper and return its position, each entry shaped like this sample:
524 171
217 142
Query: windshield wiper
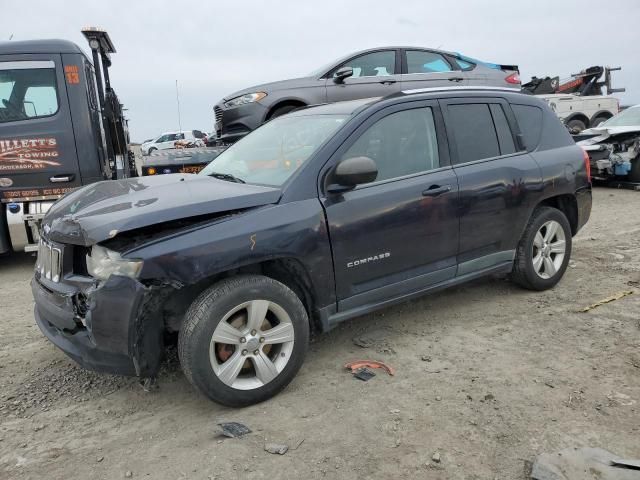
226 176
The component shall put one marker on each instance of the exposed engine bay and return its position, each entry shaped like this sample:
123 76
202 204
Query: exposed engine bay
614 153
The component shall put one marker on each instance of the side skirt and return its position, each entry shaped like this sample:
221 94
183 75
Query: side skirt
330 319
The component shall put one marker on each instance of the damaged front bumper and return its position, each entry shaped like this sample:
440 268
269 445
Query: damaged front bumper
102 326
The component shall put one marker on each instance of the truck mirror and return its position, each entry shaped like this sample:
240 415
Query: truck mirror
351 172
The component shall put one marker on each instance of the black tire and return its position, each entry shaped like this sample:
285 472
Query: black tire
524 273
576 126
151 150
278 112
597 121
204 315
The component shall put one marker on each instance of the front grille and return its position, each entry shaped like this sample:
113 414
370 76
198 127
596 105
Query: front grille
217 111
49 263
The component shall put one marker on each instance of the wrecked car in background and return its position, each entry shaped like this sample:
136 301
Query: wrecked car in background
614 147
303 224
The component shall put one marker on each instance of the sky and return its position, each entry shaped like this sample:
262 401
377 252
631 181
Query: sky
215 48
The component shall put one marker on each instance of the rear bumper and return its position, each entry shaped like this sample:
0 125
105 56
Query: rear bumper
105 338
584 201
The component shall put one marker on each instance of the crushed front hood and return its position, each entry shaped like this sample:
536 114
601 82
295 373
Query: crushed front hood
603 133
101 210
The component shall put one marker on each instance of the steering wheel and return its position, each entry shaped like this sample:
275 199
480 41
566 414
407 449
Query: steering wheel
14 109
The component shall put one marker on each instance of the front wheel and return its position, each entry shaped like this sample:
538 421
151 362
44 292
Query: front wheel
278 112
243 340
544 250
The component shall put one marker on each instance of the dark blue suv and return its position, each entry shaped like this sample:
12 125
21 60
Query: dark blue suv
318 216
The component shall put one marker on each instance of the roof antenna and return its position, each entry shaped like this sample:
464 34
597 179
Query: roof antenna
178 102
10 37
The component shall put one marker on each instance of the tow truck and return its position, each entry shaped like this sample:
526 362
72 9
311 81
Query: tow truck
579 101
61 126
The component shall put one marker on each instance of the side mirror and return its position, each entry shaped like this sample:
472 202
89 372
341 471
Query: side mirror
351 172
342 73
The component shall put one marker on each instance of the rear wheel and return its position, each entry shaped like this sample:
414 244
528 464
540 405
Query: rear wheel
576 126
598 120
544 250
243 340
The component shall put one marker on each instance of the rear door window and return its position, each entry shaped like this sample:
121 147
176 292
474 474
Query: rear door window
505 137
27 90
419 61
473 131
529 120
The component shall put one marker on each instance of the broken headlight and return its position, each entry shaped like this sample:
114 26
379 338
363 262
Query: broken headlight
244 99
102 263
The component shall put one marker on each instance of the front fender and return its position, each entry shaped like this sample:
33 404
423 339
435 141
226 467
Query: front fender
292 230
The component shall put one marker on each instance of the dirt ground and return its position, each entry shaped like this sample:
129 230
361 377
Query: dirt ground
488 376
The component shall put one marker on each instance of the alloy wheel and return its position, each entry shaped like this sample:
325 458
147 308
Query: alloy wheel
549 249
252 344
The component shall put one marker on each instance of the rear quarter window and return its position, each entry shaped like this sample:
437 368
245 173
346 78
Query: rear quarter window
474 132
529 120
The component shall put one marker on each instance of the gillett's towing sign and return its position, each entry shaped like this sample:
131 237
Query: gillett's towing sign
28 154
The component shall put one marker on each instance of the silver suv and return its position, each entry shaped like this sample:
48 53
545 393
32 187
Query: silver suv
370 73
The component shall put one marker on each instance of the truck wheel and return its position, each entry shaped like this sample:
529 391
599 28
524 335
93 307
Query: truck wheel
598 120
243 340
543 253
576 126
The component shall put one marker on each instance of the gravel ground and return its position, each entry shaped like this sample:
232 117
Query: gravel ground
488 376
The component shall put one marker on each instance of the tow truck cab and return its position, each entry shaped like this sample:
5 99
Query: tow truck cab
61 127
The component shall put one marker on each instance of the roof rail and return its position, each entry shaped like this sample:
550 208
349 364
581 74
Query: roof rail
454 89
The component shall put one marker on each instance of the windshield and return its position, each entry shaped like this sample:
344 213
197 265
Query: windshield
273 152
626 118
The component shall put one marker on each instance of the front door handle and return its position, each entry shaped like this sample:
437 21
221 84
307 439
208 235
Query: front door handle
388 82
456 79
435 190
61 178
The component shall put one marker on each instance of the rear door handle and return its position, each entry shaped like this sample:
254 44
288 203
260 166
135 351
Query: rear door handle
456 79
388 82
435 190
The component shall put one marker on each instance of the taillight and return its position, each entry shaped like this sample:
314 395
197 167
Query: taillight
514 78
587 164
